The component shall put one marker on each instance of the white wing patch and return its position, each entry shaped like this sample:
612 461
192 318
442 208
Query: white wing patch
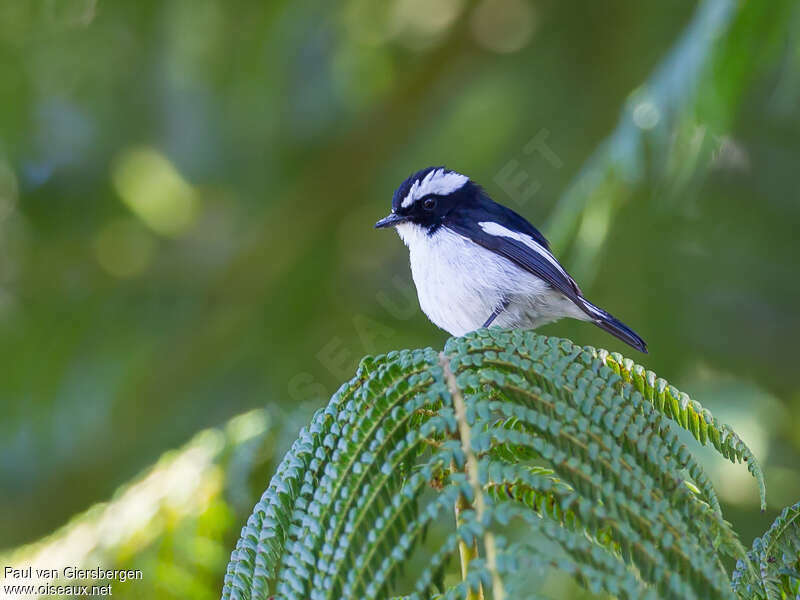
496 229
438 181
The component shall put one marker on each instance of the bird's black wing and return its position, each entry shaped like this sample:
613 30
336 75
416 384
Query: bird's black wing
521 248
528 251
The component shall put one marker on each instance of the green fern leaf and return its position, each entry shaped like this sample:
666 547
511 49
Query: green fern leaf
631 509
772 567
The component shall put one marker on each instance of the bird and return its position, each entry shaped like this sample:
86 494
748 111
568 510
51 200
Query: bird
476 263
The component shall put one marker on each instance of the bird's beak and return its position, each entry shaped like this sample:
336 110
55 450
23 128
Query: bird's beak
390 221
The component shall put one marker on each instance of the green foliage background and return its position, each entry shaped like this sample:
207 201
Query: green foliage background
187 190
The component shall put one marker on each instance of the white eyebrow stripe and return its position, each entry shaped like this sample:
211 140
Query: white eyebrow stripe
493 228
438 182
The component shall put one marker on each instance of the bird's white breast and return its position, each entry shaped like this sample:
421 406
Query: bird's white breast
459 283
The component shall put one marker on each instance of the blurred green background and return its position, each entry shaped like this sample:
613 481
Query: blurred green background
187 259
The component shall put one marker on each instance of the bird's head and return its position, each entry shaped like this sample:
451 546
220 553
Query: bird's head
425 199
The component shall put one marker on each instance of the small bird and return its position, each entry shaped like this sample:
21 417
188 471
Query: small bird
476 263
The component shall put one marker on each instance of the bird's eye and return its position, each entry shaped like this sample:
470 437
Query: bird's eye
429 203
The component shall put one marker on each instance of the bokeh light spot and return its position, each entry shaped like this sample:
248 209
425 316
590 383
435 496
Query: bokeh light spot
503 25
418 22
248 425
124 248
154 191
646 115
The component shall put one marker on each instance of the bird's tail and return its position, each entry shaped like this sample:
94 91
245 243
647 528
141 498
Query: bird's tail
613 326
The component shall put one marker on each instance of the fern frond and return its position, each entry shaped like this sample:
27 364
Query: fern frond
269 541
772 567
689 414
595 569
624 499
651 534
564 367
617 414
363 452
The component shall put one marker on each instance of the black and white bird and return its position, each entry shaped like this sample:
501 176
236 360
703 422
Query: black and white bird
477 263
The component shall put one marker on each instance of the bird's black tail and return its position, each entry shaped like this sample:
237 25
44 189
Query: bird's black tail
613 326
